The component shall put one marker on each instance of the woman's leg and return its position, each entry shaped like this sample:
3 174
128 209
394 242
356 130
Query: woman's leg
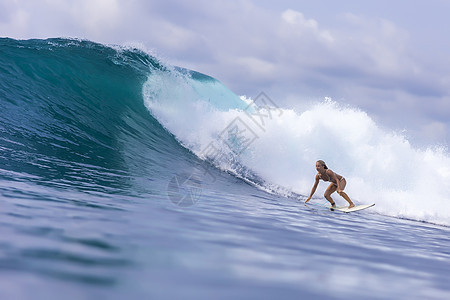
342 184
330 190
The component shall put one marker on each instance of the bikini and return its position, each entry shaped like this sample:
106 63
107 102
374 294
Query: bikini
329 178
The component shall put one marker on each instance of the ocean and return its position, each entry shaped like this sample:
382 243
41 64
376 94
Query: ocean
124 177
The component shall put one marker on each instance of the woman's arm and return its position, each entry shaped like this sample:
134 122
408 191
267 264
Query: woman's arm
313 190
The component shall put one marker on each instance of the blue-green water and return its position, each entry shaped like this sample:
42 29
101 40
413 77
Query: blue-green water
93 202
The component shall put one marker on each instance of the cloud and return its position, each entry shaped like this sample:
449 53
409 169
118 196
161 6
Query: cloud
300 24
434 131
257 67
95 16
13 20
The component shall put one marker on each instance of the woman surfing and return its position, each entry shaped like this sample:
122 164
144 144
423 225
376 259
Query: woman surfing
337 183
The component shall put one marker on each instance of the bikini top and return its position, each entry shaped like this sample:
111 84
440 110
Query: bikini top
329 178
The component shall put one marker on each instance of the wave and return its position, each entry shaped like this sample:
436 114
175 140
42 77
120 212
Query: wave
94 117
277 148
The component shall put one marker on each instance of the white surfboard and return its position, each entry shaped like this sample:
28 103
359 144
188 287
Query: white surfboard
354 208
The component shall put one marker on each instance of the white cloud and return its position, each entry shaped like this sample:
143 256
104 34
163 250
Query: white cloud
94 16
434 131
257 67
382 43
13 20
301 24
297 18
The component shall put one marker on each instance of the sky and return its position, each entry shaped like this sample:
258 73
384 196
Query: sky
390 59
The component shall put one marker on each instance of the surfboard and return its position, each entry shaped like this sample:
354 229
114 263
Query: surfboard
354 208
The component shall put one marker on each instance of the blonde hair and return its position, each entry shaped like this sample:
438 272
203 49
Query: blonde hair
322 163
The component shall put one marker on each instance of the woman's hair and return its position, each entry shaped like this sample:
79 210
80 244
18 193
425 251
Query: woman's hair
322 163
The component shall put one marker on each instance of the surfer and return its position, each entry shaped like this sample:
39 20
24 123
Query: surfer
337 184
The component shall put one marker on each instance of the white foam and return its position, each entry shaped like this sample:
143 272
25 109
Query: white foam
380 167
